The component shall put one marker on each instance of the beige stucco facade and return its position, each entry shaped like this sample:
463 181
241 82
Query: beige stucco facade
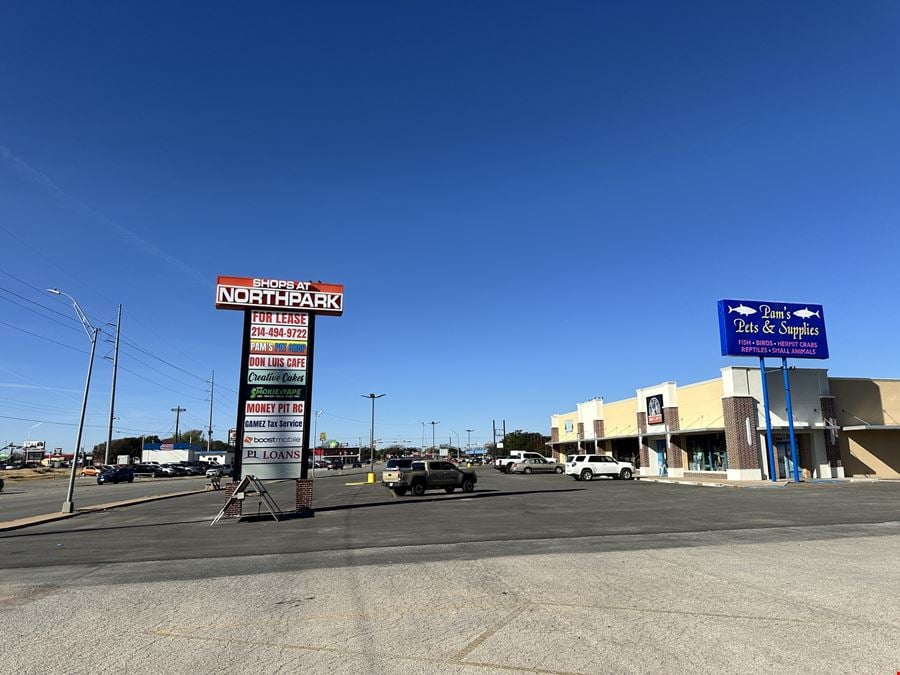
717 428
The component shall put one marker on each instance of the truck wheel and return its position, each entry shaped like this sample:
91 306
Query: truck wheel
400 491
418 489
449 490
468 485
626 474
586 474
527 470
559 469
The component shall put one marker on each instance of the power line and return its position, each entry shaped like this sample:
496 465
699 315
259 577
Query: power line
132 344
65 424
61 344
176 391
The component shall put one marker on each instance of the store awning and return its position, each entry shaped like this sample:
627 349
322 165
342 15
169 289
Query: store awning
872 427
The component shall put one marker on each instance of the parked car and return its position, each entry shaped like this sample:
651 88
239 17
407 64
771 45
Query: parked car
585 467
505 463
116 474
220 470
192 469
92 470
356 464
536 465
148 470
337 464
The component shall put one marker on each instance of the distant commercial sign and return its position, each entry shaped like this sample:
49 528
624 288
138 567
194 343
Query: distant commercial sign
779 329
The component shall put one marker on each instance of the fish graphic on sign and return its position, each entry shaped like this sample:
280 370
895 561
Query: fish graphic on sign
742 309
806 313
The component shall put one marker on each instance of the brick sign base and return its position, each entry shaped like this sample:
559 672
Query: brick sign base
302 504
304 496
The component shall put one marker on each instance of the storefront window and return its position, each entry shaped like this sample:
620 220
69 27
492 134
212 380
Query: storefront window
707 453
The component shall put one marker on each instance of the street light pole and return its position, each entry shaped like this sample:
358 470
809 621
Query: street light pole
469 441
315 439
433 447
456 433
372 428
69 505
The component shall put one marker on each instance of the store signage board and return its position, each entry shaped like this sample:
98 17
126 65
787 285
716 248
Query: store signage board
655 409
772 329
279 294
274 401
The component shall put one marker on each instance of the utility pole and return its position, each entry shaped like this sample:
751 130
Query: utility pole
177 410
423 437
112 394
212 392
433 446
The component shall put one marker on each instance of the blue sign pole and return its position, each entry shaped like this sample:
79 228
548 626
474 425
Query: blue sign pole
790 414
773 473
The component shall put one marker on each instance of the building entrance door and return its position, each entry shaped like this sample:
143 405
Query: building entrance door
783 459
661 459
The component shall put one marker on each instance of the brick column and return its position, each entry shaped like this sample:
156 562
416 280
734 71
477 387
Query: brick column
304 495
826 406
598 429
642 432
233 511
736 411
673 451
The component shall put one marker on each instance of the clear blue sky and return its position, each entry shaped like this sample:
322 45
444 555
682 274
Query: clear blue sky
530 203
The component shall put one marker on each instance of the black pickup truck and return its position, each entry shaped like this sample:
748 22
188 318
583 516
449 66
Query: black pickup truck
429 475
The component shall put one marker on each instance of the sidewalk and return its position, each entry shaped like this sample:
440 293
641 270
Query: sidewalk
708 482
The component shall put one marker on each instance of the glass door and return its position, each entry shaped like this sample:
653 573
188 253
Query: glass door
661 459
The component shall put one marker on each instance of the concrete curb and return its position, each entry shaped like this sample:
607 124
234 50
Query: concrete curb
9 525
669 481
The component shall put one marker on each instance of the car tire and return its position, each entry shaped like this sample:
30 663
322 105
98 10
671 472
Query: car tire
400 491
418 489
449 490
558 469
626 474
527 470
115 481
131 480
99 482
587 474
468 485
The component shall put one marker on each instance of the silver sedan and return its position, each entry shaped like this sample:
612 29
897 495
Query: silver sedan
536 466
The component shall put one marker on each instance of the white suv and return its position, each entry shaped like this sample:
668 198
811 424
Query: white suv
585 467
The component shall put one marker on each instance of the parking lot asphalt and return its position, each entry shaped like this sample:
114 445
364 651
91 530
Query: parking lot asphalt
529 574
22 499
505 513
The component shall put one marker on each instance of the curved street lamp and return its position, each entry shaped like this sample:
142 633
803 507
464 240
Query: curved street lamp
69 505
372 428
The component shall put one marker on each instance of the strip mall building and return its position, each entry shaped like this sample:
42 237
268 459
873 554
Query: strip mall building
716 429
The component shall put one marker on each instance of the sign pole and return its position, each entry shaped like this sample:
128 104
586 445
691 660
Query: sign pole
770 451
237 462
790 414
307 405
